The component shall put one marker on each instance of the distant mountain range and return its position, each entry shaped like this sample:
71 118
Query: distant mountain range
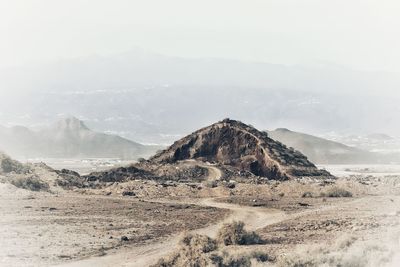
157 99
376 142
69 138
323 151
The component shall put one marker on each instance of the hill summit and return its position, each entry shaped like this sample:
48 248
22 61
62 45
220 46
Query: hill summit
71 124
234 143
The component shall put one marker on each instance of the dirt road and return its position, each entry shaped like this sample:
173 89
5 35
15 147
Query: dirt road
253 217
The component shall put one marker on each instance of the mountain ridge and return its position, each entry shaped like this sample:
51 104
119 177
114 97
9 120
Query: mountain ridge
69 138
324 151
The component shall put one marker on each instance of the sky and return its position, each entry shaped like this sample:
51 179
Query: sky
358 34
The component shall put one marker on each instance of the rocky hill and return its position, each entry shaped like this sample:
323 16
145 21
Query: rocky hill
69 138
323 151
236 144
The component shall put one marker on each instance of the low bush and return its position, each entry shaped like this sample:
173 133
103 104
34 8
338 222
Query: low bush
201 251
69 179
8 165
307 194
235 234
230 185
228 260
193 251
32 183
69 182
199 243
337 192
260 256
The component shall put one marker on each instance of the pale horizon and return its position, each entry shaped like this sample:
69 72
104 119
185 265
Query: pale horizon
360 35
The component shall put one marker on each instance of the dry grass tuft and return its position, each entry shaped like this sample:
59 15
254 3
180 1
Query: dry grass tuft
307 194
260 256
344 252
337 192
228 260
193 251
201 251
8 165
199 243
235 234
31 183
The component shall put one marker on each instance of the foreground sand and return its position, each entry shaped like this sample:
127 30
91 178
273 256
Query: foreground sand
42 229
85 227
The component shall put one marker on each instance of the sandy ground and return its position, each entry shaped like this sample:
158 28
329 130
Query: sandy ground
149 254
83 166
43 229
377 170
84 227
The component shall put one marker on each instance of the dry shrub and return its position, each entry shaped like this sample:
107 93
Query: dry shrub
345 252
201 251
198 242
307 194
260 256
32 183
344 242
337 192
8 165
69 182
225 259
193 251
69 179
235 234
228 260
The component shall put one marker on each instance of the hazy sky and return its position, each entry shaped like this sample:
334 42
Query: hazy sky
363 34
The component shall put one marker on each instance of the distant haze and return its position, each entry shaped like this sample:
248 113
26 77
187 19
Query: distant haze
357 34
156 70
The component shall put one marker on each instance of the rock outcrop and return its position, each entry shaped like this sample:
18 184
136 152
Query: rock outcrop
236 144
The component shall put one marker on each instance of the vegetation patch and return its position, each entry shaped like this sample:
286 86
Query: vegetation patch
235 234
307 194
8 165
69 179
229 260
193 251
32 183
337 192
201 251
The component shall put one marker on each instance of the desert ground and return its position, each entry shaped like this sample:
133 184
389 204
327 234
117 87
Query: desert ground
81 165
305 222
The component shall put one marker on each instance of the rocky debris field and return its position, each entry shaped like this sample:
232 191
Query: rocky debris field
135 215
42 229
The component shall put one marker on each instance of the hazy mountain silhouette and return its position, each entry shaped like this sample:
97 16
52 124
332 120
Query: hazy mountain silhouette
145 97
323 151
69 138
